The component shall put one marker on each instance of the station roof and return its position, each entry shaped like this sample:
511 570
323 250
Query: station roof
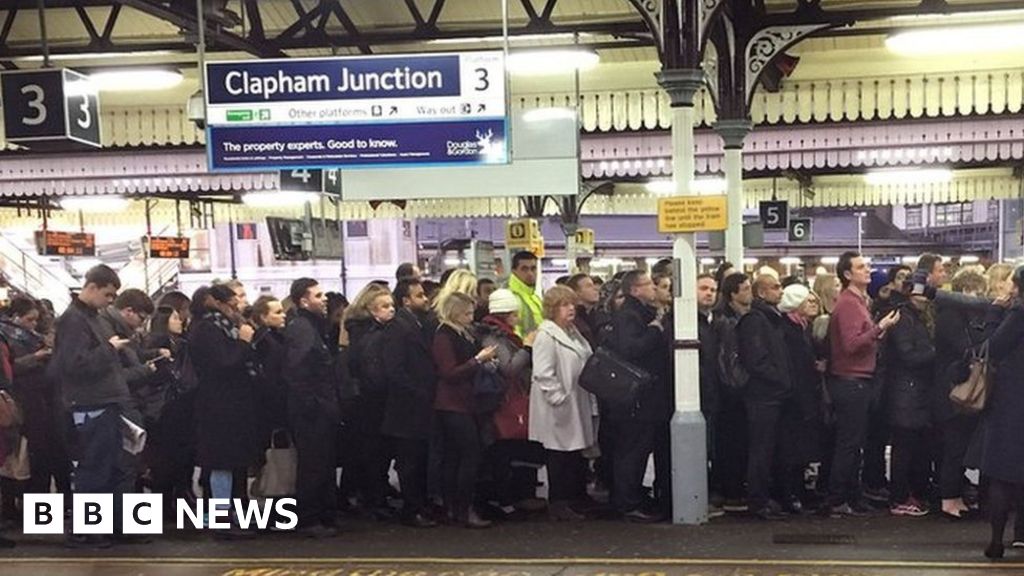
845 75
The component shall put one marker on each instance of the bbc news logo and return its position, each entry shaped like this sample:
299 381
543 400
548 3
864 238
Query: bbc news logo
144 514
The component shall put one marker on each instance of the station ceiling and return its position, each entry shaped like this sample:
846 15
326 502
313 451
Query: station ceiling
101 34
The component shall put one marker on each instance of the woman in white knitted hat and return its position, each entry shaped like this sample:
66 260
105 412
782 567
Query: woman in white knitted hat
804 426
561 413
505 419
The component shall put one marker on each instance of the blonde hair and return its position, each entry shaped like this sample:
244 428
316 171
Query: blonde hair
996 275
969 280
826 286
360 307
456 303
555 297
460 282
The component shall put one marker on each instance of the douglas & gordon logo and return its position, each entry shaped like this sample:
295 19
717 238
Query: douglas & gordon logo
143 514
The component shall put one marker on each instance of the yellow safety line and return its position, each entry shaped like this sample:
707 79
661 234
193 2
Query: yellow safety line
529 562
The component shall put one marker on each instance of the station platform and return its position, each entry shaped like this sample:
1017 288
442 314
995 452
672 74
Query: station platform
811 546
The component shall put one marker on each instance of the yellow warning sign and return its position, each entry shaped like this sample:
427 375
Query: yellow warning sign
692 214
523 234
585 242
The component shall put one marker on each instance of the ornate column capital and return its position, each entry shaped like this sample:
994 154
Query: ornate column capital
733 132
681 85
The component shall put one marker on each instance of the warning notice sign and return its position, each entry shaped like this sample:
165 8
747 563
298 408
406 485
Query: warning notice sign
692 214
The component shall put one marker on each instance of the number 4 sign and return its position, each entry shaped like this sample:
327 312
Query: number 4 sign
302 180
50 105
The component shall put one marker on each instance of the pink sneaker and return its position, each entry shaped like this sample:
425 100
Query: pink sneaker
908 508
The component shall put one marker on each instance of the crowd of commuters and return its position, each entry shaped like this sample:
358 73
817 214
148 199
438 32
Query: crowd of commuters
467 390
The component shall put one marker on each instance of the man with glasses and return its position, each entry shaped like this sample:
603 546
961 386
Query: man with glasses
638 337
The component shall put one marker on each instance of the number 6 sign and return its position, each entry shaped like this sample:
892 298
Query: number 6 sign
800 230
50 105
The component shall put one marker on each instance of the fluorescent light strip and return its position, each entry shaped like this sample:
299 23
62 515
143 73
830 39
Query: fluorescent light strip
100 55
957 40
135 79
909 177
702 186
542 62
548 114
278 199
94 204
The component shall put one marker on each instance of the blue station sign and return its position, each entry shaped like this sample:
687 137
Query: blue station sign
377 111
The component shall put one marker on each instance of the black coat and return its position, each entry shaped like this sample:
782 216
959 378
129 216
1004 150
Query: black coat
226 417
724 326
910 371
636 341
1002 454
957 331
805 377
366 338
762 349
84 364
709 393
271 387
808 426
412 378
311 368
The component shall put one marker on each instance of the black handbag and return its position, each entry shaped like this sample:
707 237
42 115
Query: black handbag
614 380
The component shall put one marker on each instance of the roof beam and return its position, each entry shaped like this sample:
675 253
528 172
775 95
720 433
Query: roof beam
214 35
628 30
90 28
350 27
108 28
435 14
806 10
415 12
252 12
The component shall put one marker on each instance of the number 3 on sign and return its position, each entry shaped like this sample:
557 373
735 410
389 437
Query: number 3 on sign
85 121
36 104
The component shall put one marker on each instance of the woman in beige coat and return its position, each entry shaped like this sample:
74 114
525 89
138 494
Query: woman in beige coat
561 413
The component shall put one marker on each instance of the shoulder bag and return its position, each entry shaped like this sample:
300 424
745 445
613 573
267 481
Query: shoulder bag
613 379
970 395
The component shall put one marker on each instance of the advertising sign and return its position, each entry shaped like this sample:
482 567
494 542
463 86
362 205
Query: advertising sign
376 111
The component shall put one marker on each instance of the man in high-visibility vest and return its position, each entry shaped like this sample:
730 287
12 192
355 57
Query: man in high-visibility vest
522 283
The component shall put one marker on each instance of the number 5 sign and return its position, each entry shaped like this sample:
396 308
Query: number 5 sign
774 214
50 105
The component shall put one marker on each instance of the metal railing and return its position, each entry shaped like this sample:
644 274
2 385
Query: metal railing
26 273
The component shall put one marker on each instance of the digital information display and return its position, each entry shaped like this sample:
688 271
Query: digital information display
51 243
376 111
170 247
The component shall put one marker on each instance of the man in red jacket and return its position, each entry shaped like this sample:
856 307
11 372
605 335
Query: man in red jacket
853 340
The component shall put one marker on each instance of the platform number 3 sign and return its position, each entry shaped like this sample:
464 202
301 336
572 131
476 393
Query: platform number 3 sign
51 106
